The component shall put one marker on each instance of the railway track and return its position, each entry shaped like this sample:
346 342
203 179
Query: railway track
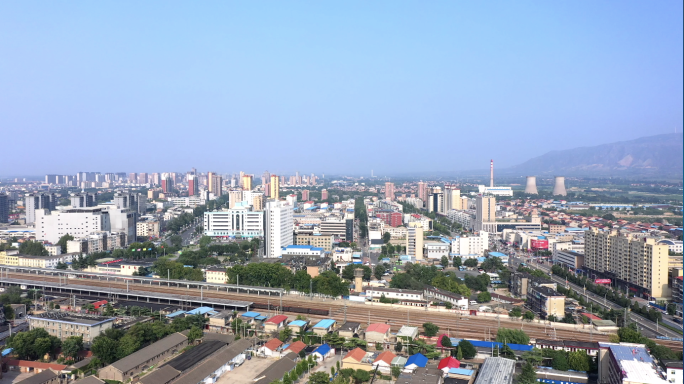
480 328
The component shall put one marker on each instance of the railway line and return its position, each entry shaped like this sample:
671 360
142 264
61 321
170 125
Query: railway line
456 325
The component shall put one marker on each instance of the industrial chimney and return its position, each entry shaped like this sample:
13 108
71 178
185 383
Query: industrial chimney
559 186
491 173
531 186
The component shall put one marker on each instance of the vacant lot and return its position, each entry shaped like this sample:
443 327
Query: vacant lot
246 373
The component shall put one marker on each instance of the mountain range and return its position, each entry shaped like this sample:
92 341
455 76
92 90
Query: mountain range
660 155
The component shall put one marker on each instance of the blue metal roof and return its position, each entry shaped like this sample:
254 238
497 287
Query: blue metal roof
175 314
325 323
298 323
200 311
322 350
461 371
7 351
497 254
261 317
623 352
250 314
494 344
418 359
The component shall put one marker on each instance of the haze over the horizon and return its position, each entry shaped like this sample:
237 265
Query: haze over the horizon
337 88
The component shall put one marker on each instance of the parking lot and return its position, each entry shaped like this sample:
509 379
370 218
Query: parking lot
246 373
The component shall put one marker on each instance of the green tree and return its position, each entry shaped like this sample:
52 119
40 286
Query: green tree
176 241
348 271
516 312
579 361
529 316
396 371
534 357
484 297
430 329
195 334
471 263
467 348
528 374
378 271
61 265
446 342
457 262
512 336
33 248
398 347
71 346
8 311
33 344
361 376
63 242
386 237
204 241
285 334
319 378
444 261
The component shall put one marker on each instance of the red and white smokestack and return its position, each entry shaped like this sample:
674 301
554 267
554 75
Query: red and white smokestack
491 173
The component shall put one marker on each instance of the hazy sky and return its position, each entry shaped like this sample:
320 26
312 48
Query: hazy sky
337 88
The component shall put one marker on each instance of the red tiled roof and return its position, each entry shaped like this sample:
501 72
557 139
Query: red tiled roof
273 344
296 347
386 356
378 327
277 319
591 316
449 362
355 354
35 364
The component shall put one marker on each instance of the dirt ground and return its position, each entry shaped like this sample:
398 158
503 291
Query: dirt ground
245 373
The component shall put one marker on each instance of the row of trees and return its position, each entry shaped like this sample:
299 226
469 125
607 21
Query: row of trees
276 275
361 215
115 344
416 277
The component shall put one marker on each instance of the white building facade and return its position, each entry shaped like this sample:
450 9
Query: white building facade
278 227
239 221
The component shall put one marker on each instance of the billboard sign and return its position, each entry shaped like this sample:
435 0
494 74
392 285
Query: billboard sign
539 244
602 281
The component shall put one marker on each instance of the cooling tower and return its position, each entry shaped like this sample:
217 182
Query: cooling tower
559 186
531 186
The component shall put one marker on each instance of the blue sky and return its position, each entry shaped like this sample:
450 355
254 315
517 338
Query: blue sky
344 87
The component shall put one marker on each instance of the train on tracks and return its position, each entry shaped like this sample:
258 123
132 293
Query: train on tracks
310 311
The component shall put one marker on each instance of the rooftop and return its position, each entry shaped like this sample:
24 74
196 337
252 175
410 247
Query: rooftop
496 370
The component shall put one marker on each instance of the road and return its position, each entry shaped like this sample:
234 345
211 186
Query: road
602 302
188 234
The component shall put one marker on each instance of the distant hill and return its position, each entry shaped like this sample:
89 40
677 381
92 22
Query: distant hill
660 155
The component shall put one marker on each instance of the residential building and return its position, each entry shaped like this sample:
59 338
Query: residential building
334 226
349 329
275 323
147 228
357 358
124 369
404 296
627 363
485 213
468 247
435 294
464 217
35 202
377 333
63 325
435 202
270 348
279 226
247 182
521 282
422 191
545 302
677 293
384 362
190 201
635 262
240 221
80 200
320 241
675 246
389 191
193 185
274 188
216 275
43 376
167 183
436 249
414 242
45 262
4 208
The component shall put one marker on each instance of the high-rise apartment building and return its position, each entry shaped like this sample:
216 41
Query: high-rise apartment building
36 201
4 208
167 183
324 194
247 182
132 178
278 227
389 191
422 191
274 188
435 202
258 201
635 262
305 195
265 177
485 213
234 197
215 183
414 241
193 188
80 200
452 198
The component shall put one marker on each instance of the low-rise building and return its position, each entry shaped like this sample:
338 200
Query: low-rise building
357 359
324 326
124 369
496 370
317 241
298 326
45 262
349 329
216 275
521 282
569 259
406 332
302 250
270 349
63 325
377 333
436 294
220 322
384 362
404 296
275 323
545 302
147 228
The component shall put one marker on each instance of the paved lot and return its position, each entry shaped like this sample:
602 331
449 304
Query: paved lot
14 377
246 373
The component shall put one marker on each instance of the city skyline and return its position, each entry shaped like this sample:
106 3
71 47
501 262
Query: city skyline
519 80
